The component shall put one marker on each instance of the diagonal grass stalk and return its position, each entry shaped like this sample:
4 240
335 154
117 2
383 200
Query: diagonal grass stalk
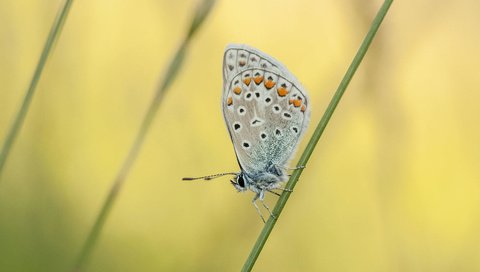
22 112
201 13
267 229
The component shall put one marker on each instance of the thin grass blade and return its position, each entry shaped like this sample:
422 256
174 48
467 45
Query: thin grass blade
55 32
267 229
173 68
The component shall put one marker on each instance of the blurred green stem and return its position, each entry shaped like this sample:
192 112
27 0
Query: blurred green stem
201 13
257 248
22 112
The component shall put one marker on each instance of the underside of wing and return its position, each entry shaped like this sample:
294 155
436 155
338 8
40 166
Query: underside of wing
265 108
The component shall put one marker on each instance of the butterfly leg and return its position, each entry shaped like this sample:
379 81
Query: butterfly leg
296 168
256 207
262 197
284 189
273 192
268 209
281 189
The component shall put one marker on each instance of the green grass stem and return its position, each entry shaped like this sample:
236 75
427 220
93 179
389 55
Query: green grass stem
201 13
267 229
22 112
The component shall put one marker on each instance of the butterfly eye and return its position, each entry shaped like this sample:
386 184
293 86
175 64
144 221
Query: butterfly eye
241 181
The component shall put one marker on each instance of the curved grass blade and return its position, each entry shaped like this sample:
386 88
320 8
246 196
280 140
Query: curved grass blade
267 229
22 112
200 15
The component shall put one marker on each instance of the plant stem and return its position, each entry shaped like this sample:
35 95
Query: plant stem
22 112
201 13
267 229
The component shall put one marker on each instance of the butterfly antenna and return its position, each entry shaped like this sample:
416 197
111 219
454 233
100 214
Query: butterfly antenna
210 177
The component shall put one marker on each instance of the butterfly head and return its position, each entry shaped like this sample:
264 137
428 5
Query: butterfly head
240 182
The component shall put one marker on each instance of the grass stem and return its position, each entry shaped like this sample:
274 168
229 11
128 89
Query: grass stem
267 229
22 111
201 13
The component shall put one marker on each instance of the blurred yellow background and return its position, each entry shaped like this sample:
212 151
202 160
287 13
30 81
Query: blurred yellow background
394 184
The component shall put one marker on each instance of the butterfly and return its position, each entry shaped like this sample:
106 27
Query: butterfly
266 111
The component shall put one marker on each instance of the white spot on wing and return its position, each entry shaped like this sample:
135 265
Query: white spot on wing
268 100
286 115
241 110
256 121
248 96
263 135
276 108
246 145
237 127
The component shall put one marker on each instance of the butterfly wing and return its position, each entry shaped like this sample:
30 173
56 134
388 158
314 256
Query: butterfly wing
266 109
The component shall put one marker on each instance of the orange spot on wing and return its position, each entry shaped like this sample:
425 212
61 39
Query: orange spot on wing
237 90
282 91
229 101
290 101
247 81
297 103
269 84
303 108
258 79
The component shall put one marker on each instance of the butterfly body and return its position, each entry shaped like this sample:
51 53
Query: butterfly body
266 111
